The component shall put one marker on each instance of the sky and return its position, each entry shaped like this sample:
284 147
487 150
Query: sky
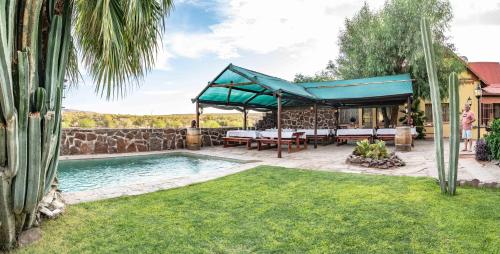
277 37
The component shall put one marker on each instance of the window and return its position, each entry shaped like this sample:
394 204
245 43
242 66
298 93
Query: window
496 110
428 112
486 114
445 112
346 114
367 118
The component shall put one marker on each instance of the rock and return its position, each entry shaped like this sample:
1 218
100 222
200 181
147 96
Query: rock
74 150
132 148
155 144
29 236
100 147
47 212
91 136
58 205
80 136
365 164
85 148
121 145
474 182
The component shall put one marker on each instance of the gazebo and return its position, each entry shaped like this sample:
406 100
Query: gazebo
237 88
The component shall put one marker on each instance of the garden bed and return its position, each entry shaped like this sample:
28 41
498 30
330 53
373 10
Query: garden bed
392 161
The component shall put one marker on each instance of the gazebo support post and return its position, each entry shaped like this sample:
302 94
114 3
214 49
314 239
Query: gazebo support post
245 116
278 97
376 118
315 126
197 114
409 120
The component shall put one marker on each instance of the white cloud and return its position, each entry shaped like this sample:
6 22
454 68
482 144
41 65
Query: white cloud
306 30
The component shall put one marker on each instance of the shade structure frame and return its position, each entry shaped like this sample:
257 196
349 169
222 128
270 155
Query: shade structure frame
256 91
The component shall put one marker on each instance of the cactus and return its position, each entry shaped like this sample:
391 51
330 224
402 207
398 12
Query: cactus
454 133
436 100
30 110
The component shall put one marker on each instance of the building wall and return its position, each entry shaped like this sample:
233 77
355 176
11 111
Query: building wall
76 141
303 117
467 85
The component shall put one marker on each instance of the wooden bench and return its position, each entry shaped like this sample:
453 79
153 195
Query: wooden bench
236 141
323 139
268 142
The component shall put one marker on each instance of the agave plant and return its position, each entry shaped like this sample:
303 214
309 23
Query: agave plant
117 40
378 150
362 148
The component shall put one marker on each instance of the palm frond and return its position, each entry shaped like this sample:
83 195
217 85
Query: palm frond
119 39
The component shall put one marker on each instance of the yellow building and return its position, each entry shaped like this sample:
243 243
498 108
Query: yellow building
483 74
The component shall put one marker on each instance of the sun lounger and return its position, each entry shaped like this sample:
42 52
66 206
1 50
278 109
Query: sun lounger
345 135
267 143
323 135
295 137
240 137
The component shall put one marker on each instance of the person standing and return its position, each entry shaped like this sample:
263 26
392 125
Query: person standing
467 119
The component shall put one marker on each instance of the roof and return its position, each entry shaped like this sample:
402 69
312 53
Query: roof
493 89
239 87
487 72
374 90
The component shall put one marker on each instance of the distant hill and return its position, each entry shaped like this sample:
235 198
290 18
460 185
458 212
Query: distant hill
86 119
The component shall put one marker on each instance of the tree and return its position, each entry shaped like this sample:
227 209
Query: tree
387 42
117 40
328 74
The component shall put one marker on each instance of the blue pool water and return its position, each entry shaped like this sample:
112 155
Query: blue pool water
81 175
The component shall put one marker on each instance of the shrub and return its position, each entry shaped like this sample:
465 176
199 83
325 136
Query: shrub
493 140
482 151
376 151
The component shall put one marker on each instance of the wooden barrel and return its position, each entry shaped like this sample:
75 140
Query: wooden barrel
193 139
402 140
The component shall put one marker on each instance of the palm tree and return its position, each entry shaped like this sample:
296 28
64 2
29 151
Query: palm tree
117 40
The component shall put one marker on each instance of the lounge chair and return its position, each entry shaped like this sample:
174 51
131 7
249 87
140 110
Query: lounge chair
287 137
240 137
345 135
323 135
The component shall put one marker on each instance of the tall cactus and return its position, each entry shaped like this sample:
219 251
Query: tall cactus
454 133
436 100
29 116
36 53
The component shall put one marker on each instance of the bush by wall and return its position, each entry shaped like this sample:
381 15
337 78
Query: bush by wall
493 140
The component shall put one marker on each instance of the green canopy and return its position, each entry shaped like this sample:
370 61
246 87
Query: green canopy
385 90
239 87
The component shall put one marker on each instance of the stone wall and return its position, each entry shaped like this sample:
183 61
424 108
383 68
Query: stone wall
107 141
298 118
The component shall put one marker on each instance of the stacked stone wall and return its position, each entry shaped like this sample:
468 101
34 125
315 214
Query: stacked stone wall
299 118
76 141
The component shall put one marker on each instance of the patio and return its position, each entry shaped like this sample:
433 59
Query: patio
419 162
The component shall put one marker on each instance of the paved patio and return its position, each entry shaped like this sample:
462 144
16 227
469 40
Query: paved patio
419 162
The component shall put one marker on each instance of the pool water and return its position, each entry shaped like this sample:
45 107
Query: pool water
82 175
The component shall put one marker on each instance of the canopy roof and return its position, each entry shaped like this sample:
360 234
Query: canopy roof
385 90
239 87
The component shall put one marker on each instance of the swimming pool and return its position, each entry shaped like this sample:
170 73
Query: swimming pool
82 175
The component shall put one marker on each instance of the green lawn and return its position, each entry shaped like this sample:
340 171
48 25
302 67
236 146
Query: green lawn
271 209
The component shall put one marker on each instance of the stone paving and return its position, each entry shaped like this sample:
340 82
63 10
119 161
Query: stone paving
419 162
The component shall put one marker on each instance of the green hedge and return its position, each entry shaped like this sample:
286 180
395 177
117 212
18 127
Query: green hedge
493 140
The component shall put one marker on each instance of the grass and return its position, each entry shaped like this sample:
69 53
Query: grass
271 209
